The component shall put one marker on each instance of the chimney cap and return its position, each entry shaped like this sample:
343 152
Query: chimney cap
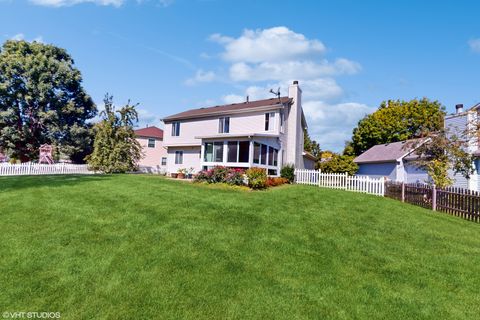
459 108
295 82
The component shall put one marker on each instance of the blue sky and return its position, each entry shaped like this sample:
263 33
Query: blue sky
173 55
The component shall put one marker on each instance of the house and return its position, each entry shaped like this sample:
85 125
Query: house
154 154
263 133
394 161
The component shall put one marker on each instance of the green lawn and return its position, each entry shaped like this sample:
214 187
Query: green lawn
143 247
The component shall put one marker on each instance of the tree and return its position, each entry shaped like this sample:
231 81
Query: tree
397 121
42 101
115 150
310 145
440 152
338 164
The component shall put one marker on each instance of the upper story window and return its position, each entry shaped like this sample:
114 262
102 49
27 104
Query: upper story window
224 125
269 121
151 143
175 129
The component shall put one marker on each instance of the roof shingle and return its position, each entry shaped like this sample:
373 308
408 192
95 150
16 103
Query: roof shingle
227 108
151 132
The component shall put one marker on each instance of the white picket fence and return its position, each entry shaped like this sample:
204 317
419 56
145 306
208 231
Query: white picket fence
24 169
363 184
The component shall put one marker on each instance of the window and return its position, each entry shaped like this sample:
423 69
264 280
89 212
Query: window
213 152
270 156
269 121
208 152
232 155
256 152
272 172
238 151
175 129
224 125
243 151
164 161
178 157
151 143
263 155
218 150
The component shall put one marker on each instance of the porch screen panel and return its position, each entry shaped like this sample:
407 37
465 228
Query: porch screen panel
263 159
232 151
208 152
218 151
244 151
256 152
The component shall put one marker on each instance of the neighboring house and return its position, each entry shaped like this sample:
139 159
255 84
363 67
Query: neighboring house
393 161
264 133
154 154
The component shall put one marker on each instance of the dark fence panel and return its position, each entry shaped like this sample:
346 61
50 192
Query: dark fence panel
455 201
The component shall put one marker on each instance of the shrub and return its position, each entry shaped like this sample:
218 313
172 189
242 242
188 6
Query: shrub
202 176
273 182
219 174
288 172
235 177
257 178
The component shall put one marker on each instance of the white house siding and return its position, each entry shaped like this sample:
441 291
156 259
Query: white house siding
245 123
191 159
378 170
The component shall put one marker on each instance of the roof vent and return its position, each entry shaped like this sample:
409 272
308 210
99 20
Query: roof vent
295 82
459 108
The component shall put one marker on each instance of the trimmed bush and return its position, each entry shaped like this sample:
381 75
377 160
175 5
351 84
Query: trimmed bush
257 178
288 172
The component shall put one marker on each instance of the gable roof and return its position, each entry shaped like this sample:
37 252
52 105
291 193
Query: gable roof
150 132
388 152
240 107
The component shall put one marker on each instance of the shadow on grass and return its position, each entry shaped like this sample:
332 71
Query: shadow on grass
12 183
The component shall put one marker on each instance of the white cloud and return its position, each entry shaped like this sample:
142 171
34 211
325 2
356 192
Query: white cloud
18 37
233 98
64 3
21 36
274 44
474 45
147 118
201 77
272 58
293 69
331 124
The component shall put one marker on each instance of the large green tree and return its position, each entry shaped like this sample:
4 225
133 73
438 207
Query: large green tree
42 101
115 149
397 121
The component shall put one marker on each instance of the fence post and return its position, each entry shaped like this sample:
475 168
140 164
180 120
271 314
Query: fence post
434 198
403 191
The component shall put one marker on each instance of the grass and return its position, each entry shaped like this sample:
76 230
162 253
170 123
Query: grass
143 247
